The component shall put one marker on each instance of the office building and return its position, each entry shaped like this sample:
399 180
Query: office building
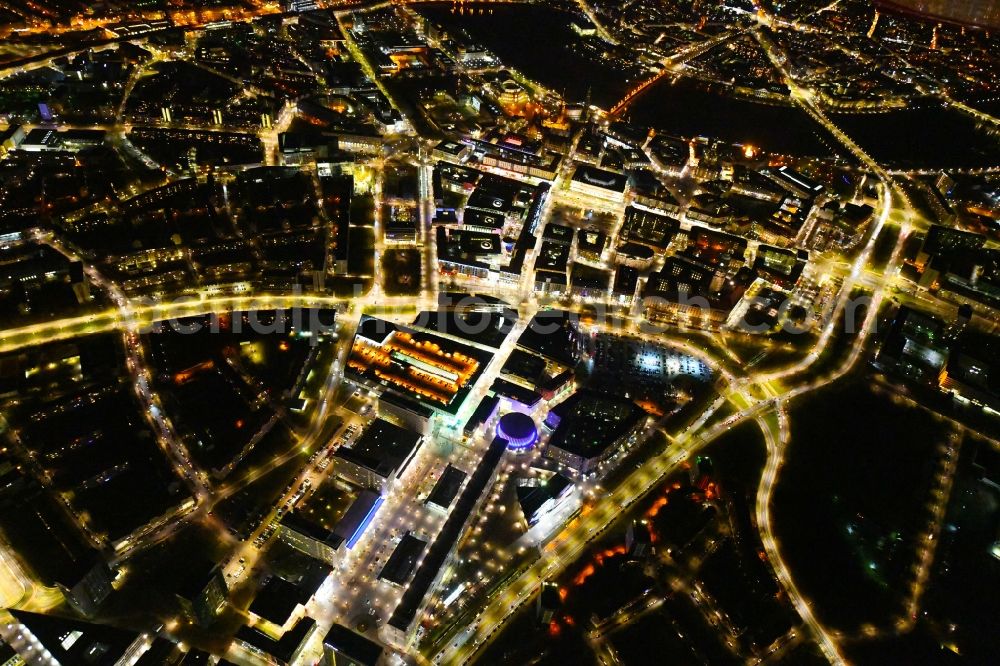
593 182
343 647
381 455
588 428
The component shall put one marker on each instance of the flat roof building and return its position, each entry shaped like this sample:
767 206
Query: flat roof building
435 371
590 427
408 412
796 182
308 537
594 182
693 291
358 517
554 335
381 455
590 243
780 266
447 487
68 641
400 566
515 393
536 499
485 410
343 647
282 651
482 220
624 285
276 601
648 228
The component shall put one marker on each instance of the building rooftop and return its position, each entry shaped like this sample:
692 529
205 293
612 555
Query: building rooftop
518 429
558 232
276 600
165 652
352 645
76 643
589 422
303 524
515 392
447 486
779 265
358 517
552 334
524 365
437 372
484 411
584 276
590 240
197 574
648 228
532 498
626 280
482 219
491 199
387 442
606 180
283 649
450 148
401 564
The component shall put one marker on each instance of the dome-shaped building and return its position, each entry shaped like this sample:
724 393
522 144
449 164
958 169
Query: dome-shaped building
519 430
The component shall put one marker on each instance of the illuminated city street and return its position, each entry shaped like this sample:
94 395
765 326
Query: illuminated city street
501 332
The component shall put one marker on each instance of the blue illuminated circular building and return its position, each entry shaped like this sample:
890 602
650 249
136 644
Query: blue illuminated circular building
519 430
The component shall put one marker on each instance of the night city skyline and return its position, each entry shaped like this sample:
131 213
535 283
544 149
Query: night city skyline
499 332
